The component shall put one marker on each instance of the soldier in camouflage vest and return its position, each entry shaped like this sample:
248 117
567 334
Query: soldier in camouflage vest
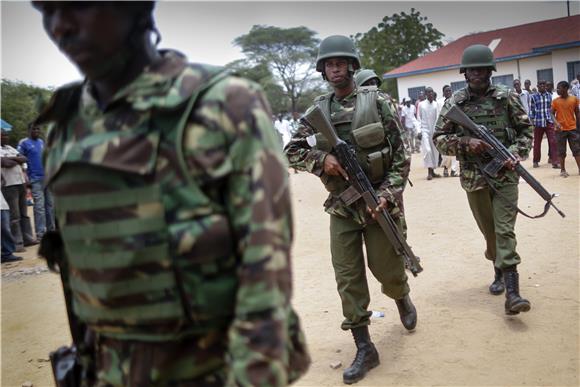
368 121
173 205
500 110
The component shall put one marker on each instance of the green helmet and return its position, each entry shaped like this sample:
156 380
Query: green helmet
477 55
336 46
365 75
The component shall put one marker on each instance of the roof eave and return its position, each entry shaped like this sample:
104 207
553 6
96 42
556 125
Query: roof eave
538 51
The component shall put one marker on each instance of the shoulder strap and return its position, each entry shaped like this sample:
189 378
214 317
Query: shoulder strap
182 123
323 102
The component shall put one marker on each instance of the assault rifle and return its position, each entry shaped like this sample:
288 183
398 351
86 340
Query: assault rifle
498 155
317 121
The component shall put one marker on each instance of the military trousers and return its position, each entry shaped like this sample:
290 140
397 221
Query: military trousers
348 261
496 219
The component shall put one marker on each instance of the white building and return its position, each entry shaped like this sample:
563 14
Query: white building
547 50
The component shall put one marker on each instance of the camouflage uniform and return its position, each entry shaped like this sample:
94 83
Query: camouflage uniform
500 110
175 214
349 220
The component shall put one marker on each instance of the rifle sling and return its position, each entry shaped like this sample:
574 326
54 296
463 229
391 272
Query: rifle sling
505 199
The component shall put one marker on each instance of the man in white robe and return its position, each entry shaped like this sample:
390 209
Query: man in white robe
428 117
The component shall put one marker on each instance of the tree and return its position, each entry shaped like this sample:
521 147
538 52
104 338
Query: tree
396 40
289 53
261 74
20 106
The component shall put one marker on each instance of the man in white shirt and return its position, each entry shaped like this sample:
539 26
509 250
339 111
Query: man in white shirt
523 94
14 191
408 113
282 125
427 114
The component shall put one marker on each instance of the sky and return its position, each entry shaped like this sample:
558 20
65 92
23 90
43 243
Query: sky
204 31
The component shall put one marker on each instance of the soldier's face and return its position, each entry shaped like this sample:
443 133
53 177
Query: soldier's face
336 70
478 77
371 82
88 33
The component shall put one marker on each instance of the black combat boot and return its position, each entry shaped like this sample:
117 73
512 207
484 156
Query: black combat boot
497 287
407 312
514 303
366 357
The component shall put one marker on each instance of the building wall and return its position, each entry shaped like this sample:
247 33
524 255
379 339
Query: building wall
529 67
435 80
560 58
520 69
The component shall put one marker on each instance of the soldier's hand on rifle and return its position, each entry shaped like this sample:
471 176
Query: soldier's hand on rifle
511 164
476 146
333 168
383 203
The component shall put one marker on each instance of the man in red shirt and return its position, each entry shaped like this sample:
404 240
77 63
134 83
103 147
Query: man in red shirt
567 123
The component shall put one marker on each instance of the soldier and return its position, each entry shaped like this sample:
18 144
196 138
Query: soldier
367 120
492 201
173 206
367 77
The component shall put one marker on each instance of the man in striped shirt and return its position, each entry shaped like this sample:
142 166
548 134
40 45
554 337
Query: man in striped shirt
540 105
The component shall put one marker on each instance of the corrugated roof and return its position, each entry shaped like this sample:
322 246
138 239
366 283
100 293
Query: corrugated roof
521 41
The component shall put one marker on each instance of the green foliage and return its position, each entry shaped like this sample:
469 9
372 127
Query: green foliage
261 74
21 104
289 53
396 40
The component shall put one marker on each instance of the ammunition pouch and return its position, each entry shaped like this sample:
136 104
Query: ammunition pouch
374 157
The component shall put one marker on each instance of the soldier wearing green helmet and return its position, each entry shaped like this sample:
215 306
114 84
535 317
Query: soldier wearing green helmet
491 200
174 214
367 119
367 77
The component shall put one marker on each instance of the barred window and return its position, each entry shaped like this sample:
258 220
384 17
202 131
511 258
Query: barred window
573 70
457 85
415 91
506 80
545 75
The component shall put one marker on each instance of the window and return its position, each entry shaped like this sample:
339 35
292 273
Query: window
506 80
573 70
457 85
545 75
414 92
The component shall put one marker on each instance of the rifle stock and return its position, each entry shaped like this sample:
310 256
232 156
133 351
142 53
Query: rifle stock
316 120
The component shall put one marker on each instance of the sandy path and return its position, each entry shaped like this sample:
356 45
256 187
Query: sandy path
463 336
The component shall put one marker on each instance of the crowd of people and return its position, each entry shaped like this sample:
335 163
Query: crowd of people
554 113
23 177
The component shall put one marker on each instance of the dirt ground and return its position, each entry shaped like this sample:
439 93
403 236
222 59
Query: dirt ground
462 337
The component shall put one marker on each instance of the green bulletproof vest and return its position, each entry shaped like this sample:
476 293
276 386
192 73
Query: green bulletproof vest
492 113
151 256
363 129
